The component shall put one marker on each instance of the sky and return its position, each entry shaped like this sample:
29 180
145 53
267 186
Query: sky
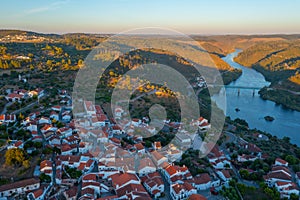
186 16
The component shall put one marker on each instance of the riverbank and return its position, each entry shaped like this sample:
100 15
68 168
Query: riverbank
281 97
281 91
253 108
271 145
278 62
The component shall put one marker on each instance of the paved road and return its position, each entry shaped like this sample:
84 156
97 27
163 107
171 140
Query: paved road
231 137
197 142
5 107
167 188
209 196
234 138
24 108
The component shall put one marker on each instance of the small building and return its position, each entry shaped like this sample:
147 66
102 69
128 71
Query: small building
281 162
19 187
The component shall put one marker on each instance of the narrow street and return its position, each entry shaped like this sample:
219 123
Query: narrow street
5 107
167 187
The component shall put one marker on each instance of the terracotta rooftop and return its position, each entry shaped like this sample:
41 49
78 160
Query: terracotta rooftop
19 184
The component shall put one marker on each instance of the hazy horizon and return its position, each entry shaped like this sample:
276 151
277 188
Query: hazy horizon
216 17
190 34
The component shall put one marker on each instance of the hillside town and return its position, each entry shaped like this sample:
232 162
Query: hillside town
94 156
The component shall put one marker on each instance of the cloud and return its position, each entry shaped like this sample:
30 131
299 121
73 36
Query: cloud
52 6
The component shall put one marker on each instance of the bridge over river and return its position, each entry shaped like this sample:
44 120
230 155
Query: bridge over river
236 87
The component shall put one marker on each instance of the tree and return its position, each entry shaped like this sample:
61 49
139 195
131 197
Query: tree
291 160
31 67
21 116
26 164
294 197
49 63
38 145
80 62
14 156
244 173
286 139
45 178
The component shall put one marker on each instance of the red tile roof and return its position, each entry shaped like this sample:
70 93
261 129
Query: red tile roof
19 184
130 188
278 175
157 155
14 95
202 179
281 161
89 177
121 179
197 197
45 163
89 106
139 146
72 192
38 193
171 170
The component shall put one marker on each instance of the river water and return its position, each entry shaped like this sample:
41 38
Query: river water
253 108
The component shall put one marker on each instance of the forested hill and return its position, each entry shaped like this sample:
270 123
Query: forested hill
4 33
279 62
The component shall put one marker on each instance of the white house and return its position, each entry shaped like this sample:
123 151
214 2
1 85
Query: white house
154 184
36 195
56 108
278 173
54 115
281 162
116 129
136 122
202 181
32 127
14 97
118 112
54 140
64 132
89 107
182 191
44 120
7 118
140 148
158 158
45 165
156 145
146 166
19 187
176 174
224 175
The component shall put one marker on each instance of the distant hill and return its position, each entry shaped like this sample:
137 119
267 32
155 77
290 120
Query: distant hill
4 33
280 59
279 62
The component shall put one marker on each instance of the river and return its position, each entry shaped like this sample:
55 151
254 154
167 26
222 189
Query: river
253 108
